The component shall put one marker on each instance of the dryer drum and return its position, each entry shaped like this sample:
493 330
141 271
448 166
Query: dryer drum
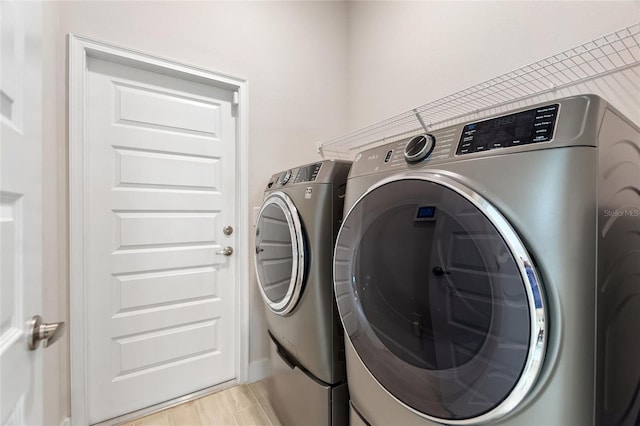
440 299
280 253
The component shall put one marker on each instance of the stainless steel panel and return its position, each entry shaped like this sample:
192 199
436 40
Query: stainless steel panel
299 399
618 325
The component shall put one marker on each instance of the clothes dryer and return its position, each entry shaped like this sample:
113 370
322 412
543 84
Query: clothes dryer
487 273
295 235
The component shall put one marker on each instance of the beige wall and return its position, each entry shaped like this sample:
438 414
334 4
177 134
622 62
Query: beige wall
292 54
406 54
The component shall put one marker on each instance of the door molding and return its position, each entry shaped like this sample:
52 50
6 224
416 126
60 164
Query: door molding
80 49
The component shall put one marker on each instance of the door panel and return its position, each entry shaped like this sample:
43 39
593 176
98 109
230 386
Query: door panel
160 161
440 299
280 253
139 169
20 211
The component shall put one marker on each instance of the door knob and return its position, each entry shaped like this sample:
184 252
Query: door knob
39 331
227 251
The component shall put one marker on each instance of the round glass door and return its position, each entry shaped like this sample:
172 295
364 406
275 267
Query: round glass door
440 299
279 256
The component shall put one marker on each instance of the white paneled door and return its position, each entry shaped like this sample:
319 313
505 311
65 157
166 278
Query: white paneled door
20 211
160 189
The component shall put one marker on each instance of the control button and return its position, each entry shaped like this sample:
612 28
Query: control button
549 109
419 148
388 156
285 177
542 123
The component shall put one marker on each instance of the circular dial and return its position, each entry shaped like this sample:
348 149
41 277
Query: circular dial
419 148
285 176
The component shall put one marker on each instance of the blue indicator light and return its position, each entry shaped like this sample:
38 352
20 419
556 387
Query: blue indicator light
426 212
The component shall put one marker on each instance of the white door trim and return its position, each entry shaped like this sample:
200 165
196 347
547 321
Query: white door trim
80 48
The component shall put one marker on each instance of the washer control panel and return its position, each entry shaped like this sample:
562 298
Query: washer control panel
564 122
522 128
308 173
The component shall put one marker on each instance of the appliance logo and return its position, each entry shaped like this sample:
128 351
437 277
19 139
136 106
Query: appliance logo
307 193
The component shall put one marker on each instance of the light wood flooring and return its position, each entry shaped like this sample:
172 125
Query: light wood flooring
243 405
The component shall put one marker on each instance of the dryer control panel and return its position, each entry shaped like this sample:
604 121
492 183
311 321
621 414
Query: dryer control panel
322 172
564 122
532 126
308 173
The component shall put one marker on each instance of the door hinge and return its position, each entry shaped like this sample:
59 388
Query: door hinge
236 98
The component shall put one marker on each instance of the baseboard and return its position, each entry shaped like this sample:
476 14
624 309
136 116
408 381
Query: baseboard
258 370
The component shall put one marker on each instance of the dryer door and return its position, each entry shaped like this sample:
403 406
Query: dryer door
280 253
440 299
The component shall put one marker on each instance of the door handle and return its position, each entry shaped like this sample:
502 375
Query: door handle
47 333
227 251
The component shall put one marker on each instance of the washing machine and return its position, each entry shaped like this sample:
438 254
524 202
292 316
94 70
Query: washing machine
295 235
489 272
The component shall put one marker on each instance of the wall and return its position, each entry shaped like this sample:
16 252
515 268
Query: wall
406 54
292 54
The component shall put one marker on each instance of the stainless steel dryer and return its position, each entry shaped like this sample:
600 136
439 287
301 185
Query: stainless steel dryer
488 273
295 235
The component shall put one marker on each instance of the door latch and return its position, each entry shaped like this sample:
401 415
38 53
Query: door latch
227 251
43 332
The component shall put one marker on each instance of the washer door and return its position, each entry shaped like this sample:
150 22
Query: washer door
280 253
440 299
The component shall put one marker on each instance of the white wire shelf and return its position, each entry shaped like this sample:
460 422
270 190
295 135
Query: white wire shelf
614 55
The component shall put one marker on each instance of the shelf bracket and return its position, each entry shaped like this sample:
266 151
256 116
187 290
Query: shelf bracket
424 126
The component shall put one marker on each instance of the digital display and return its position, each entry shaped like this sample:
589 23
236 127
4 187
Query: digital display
532 126
308 173
426 212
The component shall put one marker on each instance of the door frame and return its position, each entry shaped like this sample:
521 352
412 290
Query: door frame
80 49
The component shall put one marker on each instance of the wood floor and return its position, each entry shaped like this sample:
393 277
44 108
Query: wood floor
243 405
